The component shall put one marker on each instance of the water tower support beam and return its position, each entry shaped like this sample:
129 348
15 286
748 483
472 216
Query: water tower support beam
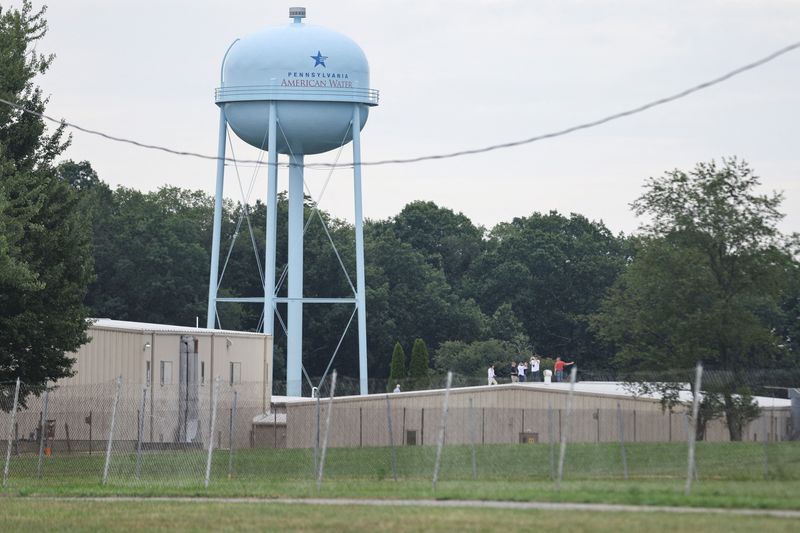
361 300
211 316
272 221
294 337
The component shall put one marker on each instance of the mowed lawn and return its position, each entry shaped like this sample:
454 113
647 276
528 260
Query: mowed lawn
32 514
733 475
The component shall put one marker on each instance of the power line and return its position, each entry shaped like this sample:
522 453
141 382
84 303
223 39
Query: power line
447 155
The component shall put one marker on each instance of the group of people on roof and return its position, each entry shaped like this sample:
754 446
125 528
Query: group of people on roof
522 371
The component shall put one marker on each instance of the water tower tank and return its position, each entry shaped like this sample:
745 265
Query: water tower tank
314 73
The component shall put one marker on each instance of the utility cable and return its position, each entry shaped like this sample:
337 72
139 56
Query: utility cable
594 123
447 155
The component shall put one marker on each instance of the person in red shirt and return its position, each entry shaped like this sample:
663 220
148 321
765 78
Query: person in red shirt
559 368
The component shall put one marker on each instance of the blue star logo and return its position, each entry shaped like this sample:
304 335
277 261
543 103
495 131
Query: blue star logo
319 59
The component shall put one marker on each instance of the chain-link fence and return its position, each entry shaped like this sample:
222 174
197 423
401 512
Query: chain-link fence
171 436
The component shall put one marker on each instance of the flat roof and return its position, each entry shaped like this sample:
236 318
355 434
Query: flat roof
599 388
145 327
617 388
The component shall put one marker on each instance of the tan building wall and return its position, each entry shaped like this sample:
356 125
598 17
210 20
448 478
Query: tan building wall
136 352
506 414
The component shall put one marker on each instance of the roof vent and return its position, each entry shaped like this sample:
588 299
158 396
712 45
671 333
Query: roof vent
297 13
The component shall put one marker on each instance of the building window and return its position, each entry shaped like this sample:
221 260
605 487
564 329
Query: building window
236 373
166 373
202 372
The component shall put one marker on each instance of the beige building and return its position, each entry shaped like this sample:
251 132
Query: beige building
150 354
168 376
512 413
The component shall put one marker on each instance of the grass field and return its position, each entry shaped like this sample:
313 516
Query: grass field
731 475
30 514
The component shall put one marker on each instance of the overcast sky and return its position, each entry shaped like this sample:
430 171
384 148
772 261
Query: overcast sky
453 75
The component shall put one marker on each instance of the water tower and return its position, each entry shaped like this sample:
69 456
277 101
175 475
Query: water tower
295 90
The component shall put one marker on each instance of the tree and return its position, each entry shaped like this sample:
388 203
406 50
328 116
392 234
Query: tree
45 255
152 255
449 241
706 283
553 271
419 369
407 298
472 360
505 325
397 372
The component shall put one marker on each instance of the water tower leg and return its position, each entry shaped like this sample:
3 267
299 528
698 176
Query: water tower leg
361 300
294 341
211 316
272 222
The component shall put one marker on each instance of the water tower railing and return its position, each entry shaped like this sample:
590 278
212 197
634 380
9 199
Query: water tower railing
307 94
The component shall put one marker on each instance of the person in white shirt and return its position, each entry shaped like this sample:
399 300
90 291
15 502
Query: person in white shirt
521 367
396 388
535 368
492 381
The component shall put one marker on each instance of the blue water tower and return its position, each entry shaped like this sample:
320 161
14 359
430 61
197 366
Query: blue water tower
295 90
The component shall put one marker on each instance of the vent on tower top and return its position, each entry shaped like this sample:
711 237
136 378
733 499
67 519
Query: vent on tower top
297 13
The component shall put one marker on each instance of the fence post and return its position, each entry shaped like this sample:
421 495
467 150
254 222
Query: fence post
327 430
391 437
111 430
551 430
565 431
11 425
69 442
766 443
42 432
316 438
442 428
141 433
622 440
211 432
693 428
230 434
471 422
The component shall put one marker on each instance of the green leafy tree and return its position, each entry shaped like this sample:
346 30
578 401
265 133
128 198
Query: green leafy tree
553 271
449 241
473 359
45 255
419 368
152 256
407 298
706 284
397 372
505 325
788 328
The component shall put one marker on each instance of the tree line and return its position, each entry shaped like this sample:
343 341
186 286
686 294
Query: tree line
708 277
528 285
